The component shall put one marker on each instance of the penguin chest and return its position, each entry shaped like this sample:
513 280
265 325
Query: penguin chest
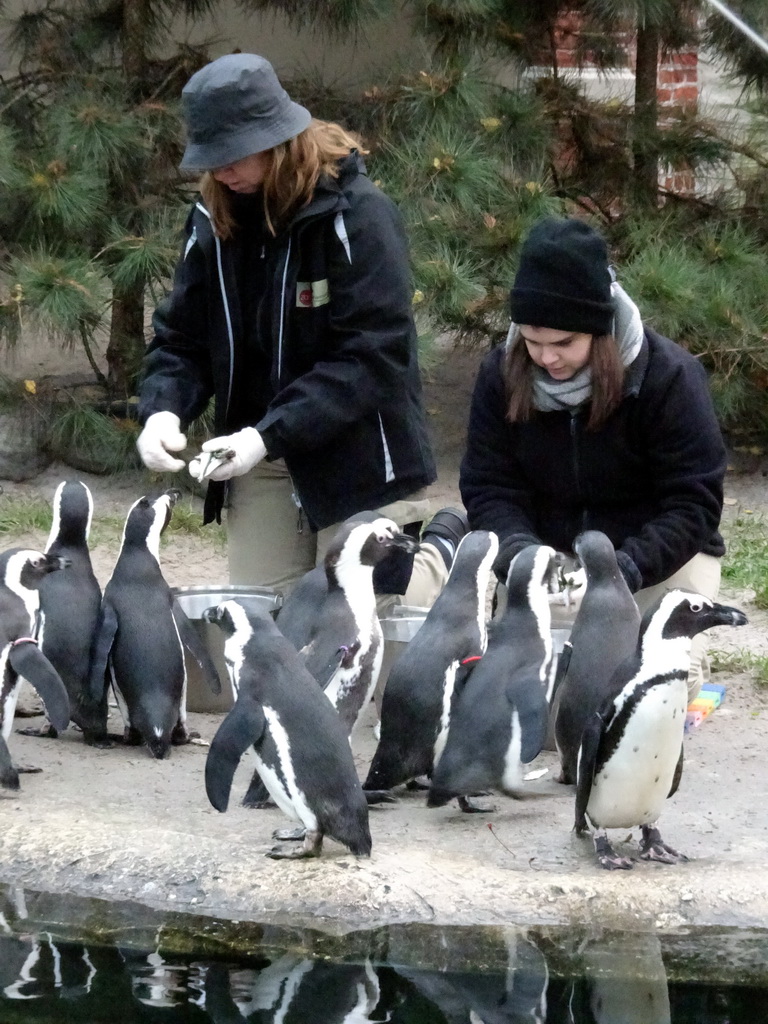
351 686
276 764
449 689
631 786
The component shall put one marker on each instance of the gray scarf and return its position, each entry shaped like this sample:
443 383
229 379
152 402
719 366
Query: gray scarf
552 395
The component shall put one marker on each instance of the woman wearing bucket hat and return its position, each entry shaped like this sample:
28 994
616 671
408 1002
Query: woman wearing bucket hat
291 307
587 419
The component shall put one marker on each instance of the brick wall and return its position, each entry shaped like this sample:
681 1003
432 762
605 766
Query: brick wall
677 86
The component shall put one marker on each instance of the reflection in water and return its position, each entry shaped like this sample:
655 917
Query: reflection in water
620 981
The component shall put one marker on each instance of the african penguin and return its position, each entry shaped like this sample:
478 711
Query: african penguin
21 571
500 720
424 682
604 635
294 988
331 618
346 646
631 754
141 636
301 745
69 609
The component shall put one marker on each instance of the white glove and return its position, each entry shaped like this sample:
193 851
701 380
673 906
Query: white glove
573 590
161 434
228 456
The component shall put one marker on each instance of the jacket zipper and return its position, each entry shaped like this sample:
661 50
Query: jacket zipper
227 315
576 466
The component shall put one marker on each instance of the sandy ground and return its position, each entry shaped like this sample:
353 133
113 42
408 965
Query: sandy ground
115 823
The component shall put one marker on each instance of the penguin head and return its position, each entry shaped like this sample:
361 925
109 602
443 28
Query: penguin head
532 575
233 617
224 616
682 614
359 543
597 555
72 514
25 569
148 518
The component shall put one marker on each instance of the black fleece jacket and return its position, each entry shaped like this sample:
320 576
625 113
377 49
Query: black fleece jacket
651 477
334 387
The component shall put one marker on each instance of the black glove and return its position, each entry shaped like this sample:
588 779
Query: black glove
629 571
508 548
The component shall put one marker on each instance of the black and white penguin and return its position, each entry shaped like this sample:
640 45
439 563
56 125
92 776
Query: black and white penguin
142 633
21 571
604 635
500 720
425 681
631 754
346 645
300 743
69 609
293 988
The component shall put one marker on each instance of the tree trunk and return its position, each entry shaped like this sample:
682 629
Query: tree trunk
126 339
135 45
126 335
645 125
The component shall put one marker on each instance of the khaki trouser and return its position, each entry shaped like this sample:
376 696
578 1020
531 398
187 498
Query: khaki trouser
701 575
269 543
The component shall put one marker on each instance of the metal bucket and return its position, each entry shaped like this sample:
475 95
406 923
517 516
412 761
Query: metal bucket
399 627
194 601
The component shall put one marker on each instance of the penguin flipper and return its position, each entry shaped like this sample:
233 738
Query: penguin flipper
26 659
193 642
678 775
243 726
533 719
586 761
103 638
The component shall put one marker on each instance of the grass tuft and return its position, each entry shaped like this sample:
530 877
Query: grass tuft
740 660
745 566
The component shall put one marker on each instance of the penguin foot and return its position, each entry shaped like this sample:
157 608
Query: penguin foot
379 796
44 732
311 847
468 807
652 848
132 737
10 779
33 712
289 835
257 795
100 740
608 858
27 769
422 782
181 735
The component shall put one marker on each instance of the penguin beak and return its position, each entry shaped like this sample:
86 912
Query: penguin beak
724 615
405 542
173 495
54 562
212 615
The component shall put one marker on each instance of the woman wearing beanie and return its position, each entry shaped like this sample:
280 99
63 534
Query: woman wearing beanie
587 419
291 307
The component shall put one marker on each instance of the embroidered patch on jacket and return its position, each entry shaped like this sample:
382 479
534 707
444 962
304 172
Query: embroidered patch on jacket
312 293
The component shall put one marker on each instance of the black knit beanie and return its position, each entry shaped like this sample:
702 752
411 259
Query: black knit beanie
563 281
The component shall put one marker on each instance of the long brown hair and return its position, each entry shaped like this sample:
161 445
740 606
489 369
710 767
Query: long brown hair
293 172
607 379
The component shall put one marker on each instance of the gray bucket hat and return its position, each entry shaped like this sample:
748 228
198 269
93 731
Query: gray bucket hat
233 107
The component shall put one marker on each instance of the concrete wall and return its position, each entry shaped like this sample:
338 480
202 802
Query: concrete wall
351 62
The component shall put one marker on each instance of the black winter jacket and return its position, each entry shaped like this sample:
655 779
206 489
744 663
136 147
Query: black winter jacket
341 398
651 477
